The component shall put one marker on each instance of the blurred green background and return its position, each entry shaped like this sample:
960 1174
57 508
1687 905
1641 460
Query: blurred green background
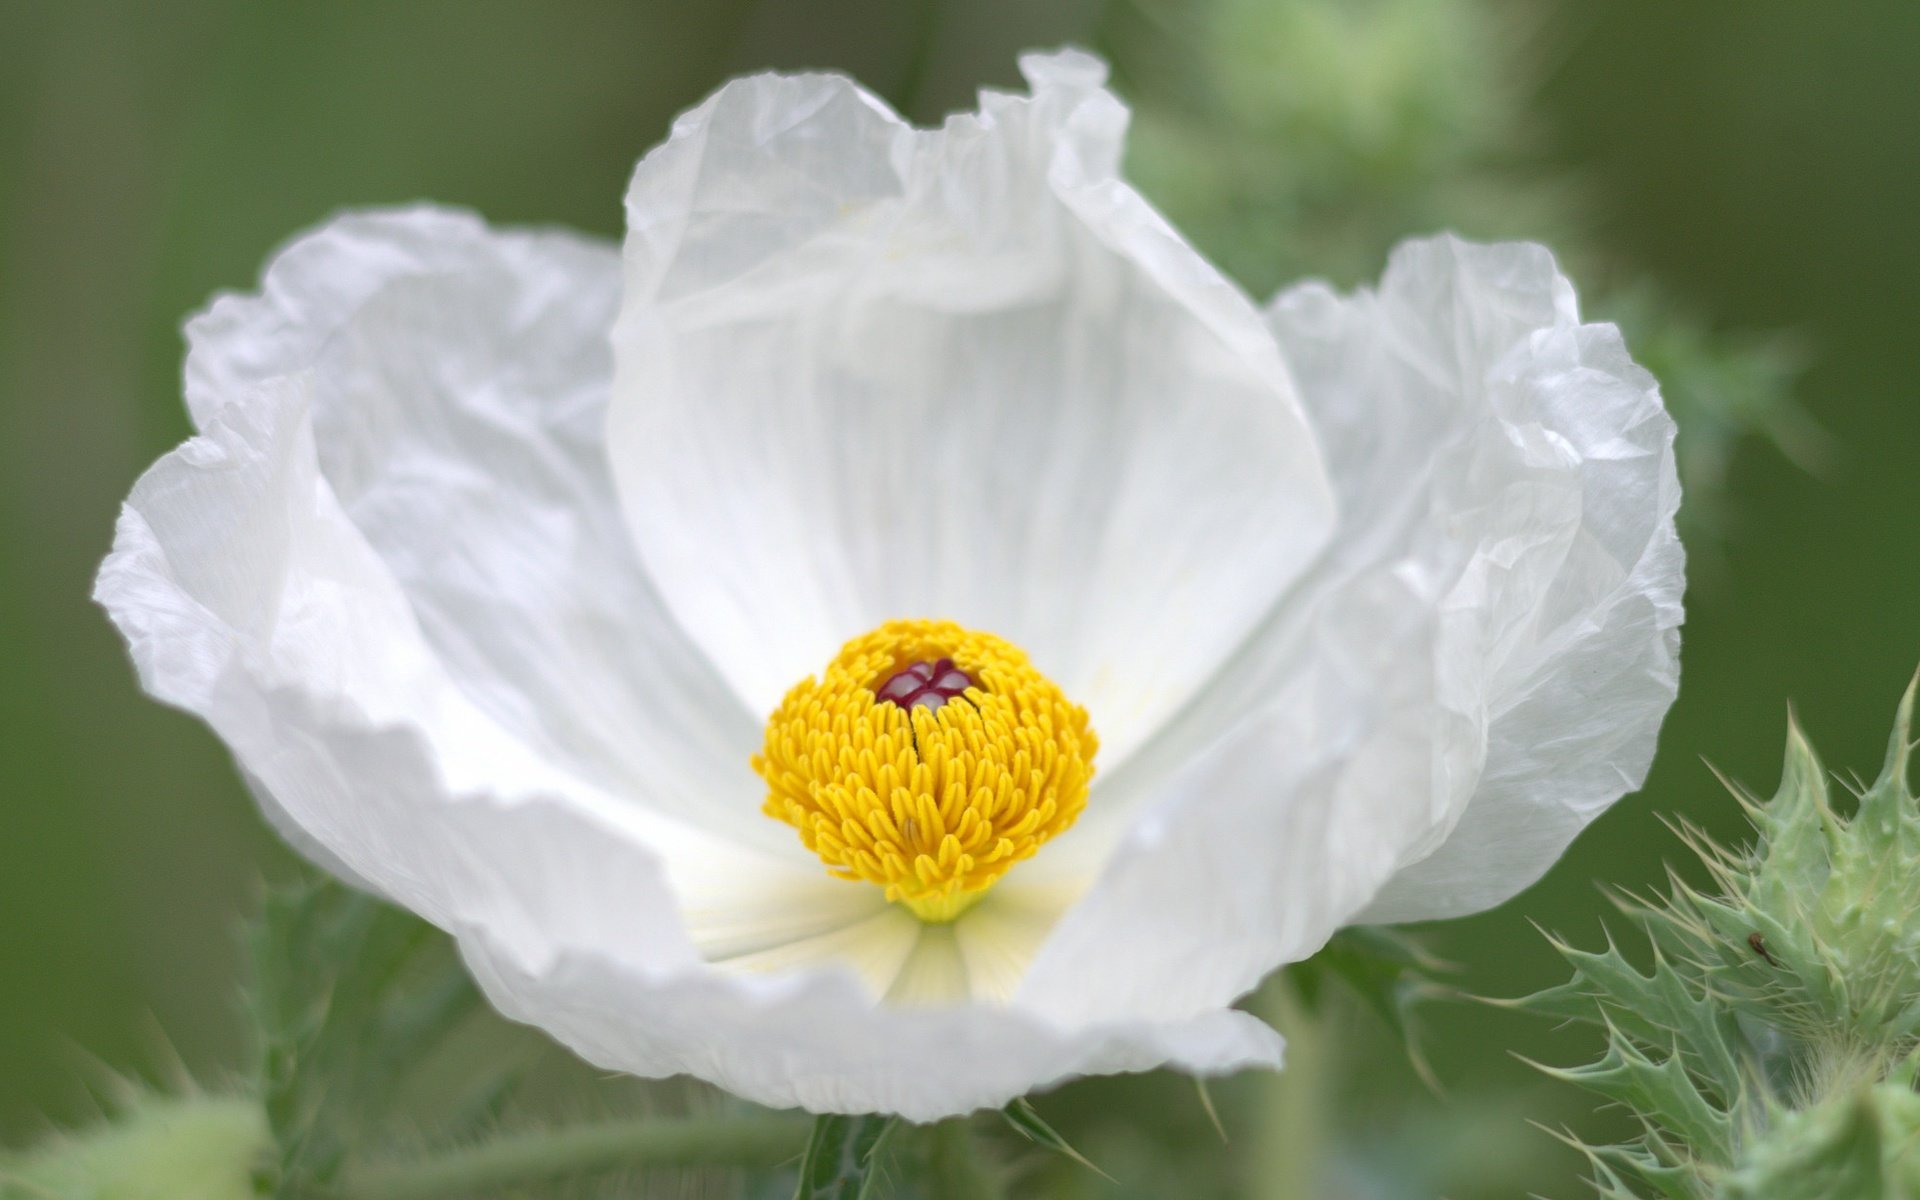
1756 161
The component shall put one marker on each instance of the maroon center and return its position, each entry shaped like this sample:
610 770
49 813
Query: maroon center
925 685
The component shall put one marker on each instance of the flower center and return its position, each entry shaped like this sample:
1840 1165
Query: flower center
929 759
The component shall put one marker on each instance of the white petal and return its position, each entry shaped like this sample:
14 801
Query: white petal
1277 833
458 380
791 923
1491 633
866 372
999 938
819 1042
1573 622
876 947
249 599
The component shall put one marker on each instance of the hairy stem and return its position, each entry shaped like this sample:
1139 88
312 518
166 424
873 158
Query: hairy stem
530 1158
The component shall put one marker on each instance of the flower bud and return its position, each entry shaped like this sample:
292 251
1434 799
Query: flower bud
1816 932
1770 1051
158 1149
1852 1145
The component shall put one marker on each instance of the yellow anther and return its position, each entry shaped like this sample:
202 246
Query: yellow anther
927 759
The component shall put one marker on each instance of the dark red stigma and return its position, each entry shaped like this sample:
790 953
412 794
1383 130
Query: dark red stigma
925 685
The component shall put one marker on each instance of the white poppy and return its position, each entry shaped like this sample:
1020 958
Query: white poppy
496 550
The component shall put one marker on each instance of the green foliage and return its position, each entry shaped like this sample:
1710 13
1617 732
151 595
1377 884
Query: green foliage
349 997
958 1167
384 1075
381 1074
842 1161
1388 970
1769 1049
1028 1123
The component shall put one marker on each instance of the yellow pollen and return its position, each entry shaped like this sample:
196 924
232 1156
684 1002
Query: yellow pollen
936 801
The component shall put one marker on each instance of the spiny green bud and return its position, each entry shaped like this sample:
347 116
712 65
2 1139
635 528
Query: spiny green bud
160 1148
1857 1145
1819 927
1771 1049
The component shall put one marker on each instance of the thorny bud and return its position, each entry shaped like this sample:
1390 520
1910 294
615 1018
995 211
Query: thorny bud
158 1148
1771 1050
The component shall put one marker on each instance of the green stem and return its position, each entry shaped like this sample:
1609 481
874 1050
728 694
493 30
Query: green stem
955 1171
1291 1109
530 1158
913 78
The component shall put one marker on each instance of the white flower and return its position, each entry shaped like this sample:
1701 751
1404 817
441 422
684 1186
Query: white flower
496 549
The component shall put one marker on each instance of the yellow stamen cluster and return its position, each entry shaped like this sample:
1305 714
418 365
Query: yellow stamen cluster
933 804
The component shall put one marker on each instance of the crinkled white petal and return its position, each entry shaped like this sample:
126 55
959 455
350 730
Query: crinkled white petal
250 597
457 380
1567 630
1476 667
866 372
